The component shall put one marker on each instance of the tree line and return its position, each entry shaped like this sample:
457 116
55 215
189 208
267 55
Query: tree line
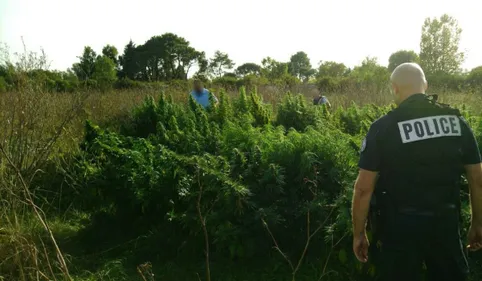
169 57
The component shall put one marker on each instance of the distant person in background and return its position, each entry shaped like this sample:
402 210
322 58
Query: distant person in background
201 94
319 100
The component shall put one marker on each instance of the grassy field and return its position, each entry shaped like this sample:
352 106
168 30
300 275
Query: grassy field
49 110
44 232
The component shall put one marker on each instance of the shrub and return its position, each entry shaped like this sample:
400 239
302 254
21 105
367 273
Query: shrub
3 85
233 178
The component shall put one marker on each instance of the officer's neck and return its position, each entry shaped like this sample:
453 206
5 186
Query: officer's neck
405 97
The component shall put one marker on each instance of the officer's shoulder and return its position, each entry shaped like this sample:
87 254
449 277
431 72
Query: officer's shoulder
382 121
447 107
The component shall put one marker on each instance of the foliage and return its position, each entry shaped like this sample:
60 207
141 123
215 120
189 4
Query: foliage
253 176
474 78
332 69
369 70
439 46
169 57
136 181
3 85
227 82
169 181
300 66
128 62
165 57
219 64
104 72
356 121
248 69
371 74
250 170
112 53
293 112
400 57
273 69
86 67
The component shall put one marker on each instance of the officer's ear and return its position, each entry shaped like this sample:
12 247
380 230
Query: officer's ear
394 88
425 85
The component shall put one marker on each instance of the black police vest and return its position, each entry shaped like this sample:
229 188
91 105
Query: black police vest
421 163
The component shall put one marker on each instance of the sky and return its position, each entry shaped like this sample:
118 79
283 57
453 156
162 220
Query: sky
343 30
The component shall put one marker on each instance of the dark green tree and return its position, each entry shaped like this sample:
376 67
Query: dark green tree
219 64
104 72
112 53
85 68
371 74
167 57
474 78
179 57
273 69
248 69
129 62
300 66
400 57
332 69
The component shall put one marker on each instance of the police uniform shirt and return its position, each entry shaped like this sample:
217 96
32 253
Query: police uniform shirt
426 129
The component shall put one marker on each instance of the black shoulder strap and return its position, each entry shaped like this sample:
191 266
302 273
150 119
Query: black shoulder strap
433 99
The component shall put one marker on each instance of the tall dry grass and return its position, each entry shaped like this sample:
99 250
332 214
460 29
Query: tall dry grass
108 108
33 124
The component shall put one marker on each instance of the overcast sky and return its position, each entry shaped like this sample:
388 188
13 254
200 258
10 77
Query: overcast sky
339 30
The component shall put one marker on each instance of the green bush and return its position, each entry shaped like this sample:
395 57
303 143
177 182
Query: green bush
294 112
3 85
356 120
227 82
244 174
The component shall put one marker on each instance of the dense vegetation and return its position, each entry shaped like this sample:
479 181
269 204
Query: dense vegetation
143 184
264 190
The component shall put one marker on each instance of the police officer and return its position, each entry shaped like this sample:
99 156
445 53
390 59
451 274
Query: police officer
415 156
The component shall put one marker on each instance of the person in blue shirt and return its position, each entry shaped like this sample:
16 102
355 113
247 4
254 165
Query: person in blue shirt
201 94
319 100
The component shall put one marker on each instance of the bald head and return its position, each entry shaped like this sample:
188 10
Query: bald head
408 79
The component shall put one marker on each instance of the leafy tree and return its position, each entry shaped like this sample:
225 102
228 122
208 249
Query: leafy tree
220 63
167 57
439 46
3 85
371 75
112 53
369 70
230 74
104 72
332 69
273 69
179 57
8 72
300 66
248 69
203 65
475 77
150 59
128 61
85 68
400 57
